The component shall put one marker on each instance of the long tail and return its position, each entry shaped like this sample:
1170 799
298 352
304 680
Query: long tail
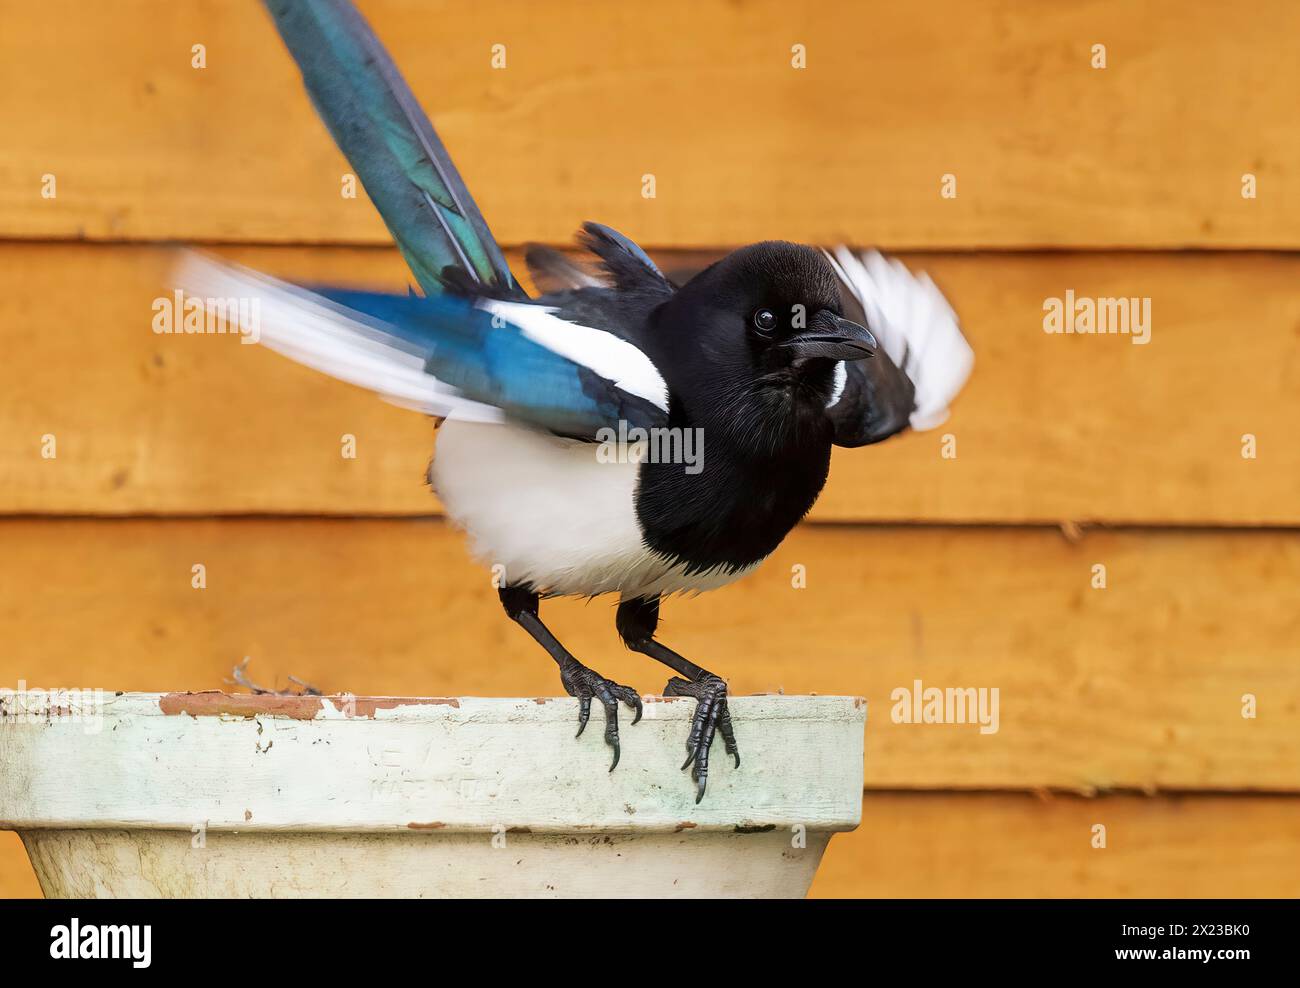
377 122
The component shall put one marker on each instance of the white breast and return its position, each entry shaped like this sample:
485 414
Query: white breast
551 514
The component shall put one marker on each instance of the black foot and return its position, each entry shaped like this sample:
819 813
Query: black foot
711 716
581 682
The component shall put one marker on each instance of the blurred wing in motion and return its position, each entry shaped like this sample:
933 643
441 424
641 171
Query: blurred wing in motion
923 359
623 266
480 360
377 122
554 271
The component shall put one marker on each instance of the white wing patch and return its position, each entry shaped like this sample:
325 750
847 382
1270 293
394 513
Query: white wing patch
604 353
327 337
916 326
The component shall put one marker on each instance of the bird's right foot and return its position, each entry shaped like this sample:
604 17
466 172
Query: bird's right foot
711 718
583 683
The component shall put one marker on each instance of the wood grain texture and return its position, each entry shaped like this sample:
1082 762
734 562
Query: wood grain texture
1020 846
1005 844
1047 150
1138 686
1049 428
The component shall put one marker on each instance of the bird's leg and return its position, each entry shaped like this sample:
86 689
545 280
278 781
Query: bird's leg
579 681
637 620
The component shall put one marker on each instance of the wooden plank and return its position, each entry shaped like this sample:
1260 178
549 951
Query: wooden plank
1019 846
1050 427
1046 150
914 845
917 845
1138 686
17 879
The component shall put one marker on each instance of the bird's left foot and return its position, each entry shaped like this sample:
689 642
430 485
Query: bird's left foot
711 717
586 685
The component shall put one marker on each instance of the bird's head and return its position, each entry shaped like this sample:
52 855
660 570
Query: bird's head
768 317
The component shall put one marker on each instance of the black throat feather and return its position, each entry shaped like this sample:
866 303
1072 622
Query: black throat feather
765 458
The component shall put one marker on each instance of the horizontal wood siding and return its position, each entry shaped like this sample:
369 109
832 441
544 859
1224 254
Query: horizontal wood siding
1137 686
1046 150
1072 451
1051 427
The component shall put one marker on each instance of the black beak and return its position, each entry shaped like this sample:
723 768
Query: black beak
833 338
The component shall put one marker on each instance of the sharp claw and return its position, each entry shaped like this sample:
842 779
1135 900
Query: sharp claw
585 685
584 714
711 718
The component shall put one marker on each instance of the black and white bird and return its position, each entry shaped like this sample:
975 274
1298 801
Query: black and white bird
619 434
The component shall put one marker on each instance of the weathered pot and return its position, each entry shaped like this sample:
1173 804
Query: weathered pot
214 794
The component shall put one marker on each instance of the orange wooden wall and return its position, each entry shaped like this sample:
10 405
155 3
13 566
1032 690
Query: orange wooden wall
1119 706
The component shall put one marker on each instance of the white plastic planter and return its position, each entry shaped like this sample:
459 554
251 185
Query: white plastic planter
214 794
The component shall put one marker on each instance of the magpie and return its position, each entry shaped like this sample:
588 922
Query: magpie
564 419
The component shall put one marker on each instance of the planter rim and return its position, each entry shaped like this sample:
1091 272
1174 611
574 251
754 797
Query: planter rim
67 703
238 762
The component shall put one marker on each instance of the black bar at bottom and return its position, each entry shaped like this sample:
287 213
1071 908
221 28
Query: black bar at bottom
265 937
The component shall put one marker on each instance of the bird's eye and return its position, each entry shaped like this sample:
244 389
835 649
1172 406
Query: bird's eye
765 320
